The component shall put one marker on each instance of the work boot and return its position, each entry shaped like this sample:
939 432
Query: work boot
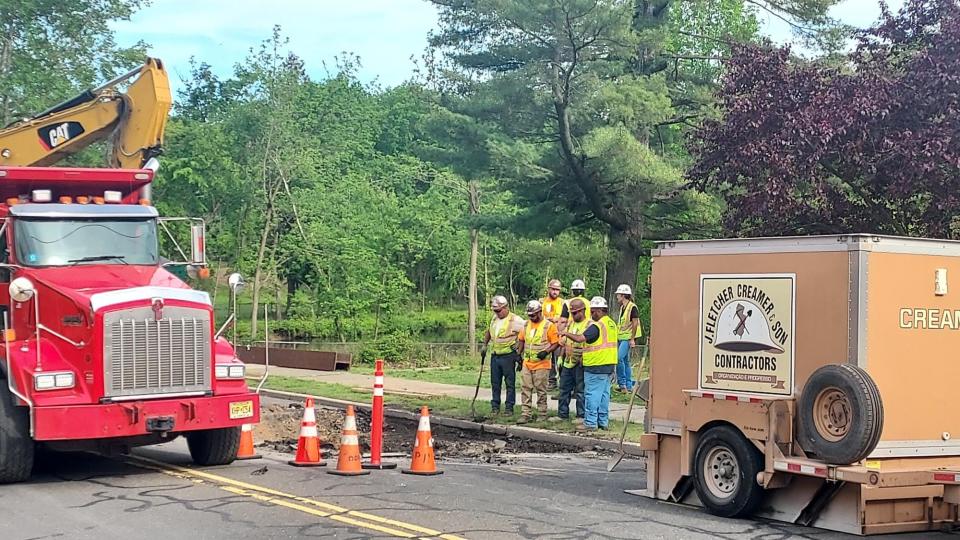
507 412
523 419
583 428
556 419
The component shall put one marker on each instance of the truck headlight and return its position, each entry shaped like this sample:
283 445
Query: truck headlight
230 371
53 381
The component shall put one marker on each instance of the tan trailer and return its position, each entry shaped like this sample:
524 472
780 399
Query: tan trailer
759 402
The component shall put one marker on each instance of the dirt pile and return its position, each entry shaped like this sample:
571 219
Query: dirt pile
279 429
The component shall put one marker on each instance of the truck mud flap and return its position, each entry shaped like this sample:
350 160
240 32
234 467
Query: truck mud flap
680 491
808 516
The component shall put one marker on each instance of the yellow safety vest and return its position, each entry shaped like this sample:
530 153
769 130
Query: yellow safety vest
586 303
504 340
535 340
624 333
604 351
575 353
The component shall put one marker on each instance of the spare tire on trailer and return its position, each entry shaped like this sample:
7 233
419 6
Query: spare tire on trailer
840 414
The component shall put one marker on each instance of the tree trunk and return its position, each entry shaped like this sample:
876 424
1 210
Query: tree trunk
474 192
472 292
624 267
258 273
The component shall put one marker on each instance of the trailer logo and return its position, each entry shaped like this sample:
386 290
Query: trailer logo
57 134
746 342
157 308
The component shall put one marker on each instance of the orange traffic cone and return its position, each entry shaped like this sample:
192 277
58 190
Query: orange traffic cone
348 463
246 450
308 447
422 462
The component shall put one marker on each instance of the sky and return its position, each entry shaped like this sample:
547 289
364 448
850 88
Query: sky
385 34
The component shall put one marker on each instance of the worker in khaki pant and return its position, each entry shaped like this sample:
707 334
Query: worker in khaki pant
537 341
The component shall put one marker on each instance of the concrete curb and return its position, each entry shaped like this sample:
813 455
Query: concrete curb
535 434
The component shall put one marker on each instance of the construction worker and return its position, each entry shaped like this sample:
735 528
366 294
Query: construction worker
630 330
552 310
599 363
537 341
577 289
571 377
505 327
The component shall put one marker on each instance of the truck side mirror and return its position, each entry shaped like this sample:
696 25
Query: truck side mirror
198 251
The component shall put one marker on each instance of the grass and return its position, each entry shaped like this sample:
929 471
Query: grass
441 405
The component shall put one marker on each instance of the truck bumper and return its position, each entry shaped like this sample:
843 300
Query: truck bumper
74 422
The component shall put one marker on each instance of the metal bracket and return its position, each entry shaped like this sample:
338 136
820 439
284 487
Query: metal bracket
134 412
190 409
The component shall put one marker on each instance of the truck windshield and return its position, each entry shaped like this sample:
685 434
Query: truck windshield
66 242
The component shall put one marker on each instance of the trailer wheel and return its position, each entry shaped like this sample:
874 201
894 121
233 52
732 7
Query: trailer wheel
840 414
214 446
16 446
726 472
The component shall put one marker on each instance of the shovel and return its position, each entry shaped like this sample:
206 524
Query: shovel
476 392
618 457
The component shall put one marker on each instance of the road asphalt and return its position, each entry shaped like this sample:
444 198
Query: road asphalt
158 494
618 411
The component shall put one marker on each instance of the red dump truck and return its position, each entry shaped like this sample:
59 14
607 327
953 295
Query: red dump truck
809 380
104 348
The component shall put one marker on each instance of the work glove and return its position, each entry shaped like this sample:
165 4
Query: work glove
519 367
542 354
483 351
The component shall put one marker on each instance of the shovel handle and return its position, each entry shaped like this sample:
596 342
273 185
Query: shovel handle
633 397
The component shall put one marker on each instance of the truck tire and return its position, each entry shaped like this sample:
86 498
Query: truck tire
214 446
840 414
725 473
16 446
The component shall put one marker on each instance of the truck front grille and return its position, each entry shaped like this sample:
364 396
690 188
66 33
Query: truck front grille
146 356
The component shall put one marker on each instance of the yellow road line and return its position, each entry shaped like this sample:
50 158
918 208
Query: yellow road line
295 502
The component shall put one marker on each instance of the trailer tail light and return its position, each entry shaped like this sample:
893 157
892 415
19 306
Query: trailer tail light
230 371
98 200
112 197
81 199
10 335
12 201
41 195
66 200
53 381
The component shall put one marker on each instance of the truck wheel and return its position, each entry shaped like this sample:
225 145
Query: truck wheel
840 414
214 446
726 472
16 446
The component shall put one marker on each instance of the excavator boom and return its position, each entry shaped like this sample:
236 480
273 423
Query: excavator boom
134 120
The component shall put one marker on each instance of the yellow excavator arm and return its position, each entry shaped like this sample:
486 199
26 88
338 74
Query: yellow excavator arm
134 120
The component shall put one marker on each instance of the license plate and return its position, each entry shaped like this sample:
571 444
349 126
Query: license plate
241 409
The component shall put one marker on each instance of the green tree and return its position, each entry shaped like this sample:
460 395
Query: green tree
50 51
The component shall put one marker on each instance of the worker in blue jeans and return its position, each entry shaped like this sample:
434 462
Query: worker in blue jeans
599 363
629 331
571 374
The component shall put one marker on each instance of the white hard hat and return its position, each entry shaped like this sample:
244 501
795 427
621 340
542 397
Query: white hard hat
598 302
498 302
624 289
533 306
742 327
578 285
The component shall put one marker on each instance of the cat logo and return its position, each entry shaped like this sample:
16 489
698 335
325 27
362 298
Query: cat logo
58 134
